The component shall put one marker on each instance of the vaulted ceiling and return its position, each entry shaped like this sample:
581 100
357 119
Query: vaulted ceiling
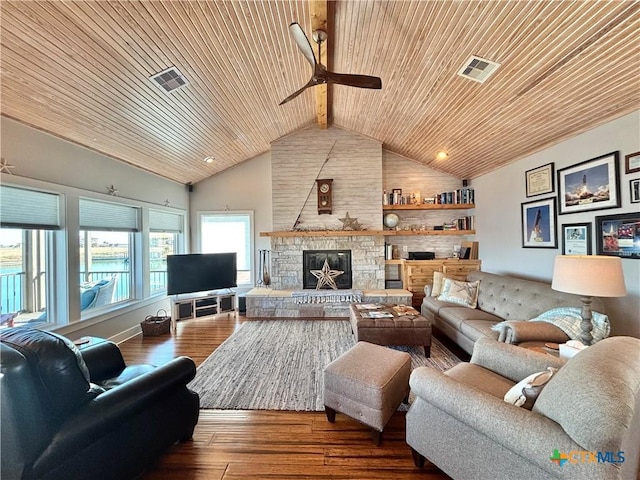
80 70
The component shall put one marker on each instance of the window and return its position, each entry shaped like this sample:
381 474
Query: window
222 232
164 230
106 254
105 268
28 219
23 276
55 238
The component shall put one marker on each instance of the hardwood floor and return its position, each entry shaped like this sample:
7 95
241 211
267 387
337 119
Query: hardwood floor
229 445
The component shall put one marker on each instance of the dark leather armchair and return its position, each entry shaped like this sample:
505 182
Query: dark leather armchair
71 414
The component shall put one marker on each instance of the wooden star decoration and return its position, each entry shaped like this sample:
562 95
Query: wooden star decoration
113 191
349 223
326 276
5 167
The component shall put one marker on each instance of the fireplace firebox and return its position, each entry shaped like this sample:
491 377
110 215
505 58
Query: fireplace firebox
336 259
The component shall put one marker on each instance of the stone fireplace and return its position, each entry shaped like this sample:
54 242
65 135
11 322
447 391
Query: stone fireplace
336 260
367 260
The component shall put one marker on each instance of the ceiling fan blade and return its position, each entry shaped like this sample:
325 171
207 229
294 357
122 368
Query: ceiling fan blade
310 83
361 81
303 43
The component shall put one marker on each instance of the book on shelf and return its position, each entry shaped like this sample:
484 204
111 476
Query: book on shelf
456 197
467 222
469 250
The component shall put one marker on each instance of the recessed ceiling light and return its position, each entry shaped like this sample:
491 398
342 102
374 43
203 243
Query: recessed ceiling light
442 155
209 159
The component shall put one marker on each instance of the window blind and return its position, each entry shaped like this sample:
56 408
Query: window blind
25 208
161 221
105 216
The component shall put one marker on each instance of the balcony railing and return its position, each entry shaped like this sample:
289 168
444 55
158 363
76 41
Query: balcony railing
12 286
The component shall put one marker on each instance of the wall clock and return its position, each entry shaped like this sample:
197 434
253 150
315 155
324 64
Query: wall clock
324 195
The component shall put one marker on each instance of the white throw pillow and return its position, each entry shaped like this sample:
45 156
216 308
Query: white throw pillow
525 392
462 293
438 279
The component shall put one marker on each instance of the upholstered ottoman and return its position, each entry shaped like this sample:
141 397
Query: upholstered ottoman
388 324
367 383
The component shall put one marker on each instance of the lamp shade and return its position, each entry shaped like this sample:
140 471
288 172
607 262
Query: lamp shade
589 275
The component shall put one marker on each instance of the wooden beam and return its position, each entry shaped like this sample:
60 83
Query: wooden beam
318 11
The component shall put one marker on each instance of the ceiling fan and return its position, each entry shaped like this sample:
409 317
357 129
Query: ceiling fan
320 73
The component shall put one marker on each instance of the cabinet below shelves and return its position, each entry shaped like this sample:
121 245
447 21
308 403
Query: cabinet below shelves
415 274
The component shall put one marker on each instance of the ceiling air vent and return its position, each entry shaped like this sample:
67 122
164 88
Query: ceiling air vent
478 69
170 79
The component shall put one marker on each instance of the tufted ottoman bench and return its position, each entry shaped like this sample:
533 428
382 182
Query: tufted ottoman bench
367 383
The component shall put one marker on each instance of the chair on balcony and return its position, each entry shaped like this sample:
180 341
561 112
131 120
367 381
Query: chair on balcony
98 294
91 296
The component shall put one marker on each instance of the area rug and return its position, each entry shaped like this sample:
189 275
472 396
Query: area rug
279 364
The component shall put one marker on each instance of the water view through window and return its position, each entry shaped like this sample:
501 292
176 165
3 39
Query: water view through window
105 268
23 276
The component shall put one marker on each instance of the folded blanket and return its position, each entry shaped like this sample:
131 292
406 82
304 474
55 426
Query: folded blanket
518 331
568 320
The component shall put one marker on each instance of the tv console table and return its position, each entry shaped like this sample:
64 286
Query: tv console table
202 305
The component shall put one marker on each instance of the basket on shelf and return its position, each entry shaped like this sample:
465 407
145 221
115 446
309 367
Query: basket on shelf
156 324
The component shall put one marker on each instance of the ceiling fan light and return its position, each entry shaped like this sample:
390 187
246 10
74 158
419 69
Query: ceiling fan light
442 155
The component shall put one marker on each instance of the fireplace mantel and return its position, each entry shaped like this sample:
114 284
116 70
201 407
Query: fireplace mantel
327 233
369 233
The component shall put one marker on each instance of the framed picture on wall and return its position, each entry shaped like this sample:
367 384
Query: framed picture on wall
634 185
632 163
539 180
576 239
539 224
618 235
590 185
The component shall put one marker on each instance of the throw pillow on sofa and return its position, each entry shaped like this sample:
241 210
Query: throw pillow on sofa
525 393
438 280
462 293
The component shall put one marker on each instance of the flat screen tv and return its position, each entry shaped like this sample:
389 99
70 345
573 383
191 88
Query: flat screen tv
199 272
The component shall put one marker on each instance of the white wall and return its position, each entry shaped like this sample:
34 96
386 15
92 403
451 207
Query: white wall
42 157
498 205
246 186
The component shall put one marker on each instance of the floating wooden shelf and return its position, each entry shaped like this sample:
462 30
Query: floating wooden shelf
431 206
404 233
324 233
370 233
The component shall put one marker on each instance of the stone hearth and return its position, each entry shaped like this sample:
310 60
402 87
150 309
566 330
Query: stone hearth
269 303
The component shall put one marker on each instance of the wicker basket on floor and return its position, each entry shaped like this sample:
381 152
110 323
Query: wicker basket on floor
157 324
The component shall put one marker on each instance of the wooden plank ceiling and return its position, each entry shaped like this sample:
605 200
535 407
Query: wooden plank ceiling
80 70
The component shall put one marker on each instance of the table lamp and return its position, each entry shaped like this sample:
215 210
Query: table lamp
589 276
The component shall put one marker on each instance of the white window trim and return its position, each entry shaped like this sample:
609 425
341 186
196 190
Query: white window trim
250 213
67 300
